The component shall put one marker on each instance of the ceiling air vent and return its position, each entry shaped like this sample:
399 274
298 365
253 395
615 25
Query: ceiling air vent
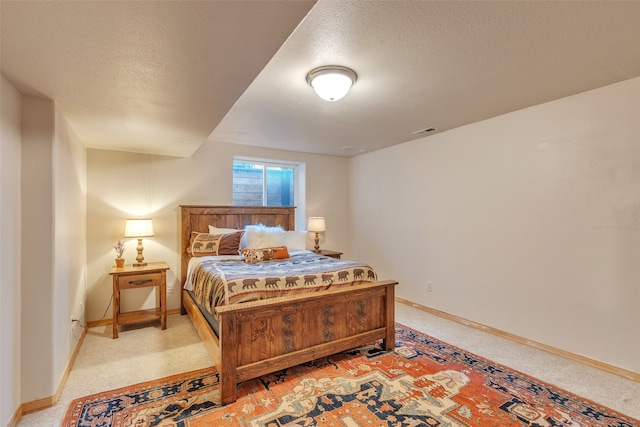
425 131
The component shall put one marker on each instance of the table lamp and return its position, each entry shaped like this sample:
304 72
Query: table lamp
317 225
139 228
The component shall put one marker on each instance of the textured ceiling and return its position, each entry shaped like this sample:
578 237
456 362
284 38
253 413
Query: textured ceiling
142 76
161 77
430 64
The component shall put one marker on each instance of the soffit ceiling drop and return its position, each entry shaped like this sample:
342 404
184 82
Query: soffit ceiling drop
142 76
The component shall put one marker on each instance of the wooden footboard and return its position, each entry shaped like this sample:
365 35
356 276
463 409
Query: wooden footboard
261 337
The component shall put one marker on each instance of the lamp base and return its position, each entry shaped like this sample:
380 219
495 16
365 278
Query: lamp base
140 257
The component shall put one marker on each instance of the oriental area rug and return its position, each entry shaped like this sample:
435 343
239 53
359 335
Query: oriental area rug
424 382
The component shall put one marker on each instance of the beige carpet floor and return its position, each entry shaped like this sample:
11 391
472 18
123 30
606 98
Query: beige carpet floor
144 354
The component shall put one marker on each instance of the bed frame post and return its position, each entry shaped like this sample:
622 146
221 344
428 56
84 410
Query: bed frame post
228 359
389 342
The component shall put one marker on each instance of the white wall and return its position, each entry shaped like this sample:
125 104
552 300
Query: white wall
527 222
37 248
70 241
122 185
10 104
53 241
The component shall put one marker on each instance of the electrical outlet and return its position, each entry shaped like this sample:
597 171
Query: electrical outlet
429 287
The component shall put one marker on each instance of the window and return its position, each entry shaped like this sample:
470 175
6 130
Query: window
263 184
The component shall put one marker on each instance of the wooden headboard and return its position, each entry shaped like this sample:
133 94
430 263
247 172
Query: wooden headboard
198 218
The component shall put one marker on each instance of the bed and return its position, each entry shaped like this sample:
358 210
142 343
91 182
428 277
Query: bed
255 338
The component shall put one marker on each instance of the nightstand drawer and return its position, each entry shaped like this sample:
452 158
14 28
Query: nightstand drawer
139 280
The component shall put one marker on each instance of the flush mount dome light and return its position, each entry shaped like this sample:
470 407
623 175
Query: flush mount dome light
331 82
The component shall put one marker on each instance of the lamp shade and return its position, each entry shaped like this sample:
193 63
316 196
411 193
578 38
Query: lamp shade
138 228
333 82
317 224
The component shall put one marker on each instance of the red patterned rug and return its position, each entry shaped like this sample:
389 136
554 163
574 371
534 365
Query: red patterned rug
424 382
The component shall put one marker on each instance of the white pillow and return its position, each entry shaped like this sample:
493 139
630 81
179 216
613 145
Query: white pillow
295 240
216 230
260 236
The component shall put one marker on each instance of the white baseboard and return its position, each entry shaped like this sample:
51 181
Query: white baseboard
47 402
612 369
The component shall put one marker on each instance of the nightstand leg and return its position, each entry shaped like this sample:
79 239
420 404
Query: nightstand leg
116 306
163 300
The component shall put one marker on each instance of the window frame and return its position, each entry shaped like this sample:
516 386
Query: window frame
299 174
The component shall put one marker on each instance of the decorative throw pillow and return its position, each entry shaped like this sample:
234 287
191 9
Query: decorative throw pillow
260 236
253 255
280 252
230 243
295 240
204 244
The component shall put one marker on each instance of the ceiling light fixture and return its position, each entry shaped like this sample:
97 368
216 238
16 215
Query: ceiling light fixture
331 82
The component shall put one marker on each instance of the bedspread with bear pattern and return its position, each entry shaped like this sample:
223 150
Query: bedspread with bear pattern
217 282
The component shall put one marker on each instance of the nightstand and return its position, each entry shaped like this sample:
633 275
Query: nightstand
129 277
332 254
